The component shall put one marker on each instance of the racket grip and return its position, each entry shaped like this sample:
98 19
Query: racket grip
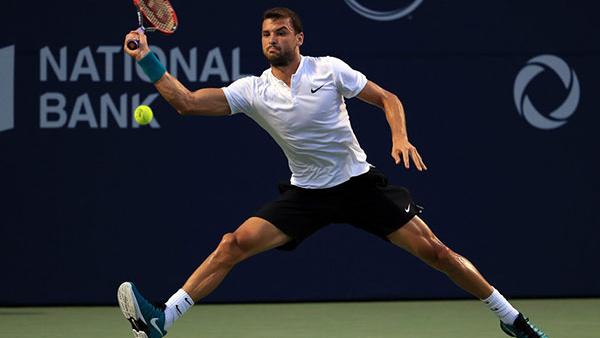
133 44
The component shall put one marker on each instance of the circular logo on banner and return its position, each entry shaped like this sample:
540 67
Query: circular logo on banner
524 105
383 15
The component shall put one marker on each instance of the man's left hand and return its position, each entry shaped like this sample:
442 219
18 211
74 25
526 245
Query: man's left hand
404 150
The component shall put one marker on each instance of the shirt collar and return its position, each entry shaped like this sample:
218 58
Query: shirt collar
298 71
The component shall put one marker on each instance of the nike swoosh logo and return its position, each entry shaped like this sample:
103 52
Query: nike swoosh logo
153 323
407 208
316 90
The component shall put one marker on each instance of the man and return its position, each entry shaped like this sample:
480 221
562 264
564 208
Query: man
299 100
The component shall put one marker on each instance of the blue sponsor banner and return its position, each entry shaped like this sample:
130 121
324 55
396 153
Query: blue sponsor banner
500 101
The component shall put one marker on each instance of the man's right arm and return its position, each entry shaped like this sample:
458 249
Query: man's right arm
205 102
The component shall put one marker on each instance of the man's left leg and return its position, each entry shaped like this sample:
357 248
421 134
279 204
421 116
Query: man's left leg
416 238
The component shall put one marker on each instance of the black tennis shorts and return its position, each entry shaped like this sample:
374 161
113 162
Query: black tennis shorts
365 201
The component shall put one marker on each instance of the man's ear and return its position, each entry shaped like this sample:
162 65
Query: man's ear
300 38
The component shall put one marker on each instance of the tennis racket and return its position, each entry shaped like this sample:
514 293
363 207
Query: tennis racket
154 15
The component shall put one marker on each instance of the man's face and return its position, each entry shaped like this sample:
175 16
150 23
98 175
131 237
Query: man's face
279 42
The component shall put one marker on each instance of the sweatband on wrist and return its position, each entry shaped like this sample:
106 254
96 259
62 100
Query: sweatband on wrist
152 67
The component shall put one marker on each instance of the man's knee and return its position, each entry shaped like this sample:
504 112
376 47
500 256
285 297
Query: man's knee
444 258
229 251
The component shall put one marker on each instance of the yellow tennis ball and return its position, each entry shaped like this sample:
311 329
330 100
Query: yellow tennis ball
143 114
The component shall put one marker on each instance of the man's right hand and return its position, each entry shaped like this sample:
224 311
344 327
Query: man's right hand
143 48
205 102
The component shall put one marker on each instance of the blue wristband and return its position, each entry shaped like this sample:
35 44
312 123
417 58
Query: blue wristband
152 67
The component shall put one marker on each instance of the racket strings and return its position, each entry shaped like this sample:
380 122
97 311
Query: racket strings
160 14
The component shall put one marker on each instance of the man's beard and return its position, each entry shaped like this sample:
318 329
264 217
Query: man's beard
281 60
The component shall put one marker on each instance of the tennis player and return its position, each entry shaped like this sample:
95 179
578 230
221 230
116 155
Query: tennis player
299 101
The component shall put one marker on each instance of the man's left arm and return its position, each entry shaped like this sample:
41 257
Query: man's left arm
402 149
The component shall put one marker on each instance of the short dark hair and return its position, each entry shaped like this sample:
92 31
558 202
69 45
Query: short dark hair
282 13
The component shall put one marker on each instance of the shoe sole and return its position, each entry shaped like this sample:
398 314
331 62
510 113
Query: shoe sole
130 308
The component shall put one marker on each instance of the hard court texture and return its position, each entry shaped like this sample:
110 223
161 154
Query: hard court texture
566 318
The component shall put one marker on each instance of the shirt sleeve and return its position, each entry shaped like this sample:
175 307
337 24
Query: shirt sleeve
348 81
239 95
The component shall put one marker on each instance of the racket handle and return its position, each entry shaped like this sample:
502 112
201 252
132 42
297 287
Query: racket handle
133 44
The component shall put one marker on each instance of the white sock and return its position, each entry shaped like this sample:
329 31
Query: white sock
501 307
177 305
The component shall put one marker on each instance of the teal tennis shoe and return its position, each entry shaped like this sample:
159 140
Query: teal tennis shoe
522 328
146 319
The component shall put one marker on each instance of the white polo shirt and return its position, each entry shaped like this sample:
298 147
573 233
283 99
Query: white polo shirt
308 120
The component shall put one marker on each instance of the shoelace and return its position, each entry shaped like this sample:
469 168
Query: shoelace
531 330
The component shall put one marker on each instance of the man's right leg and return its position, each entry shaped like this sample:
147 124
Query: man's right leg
255 235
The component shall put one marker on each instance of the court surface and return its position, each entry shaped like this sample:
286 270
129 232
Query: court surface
566 318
